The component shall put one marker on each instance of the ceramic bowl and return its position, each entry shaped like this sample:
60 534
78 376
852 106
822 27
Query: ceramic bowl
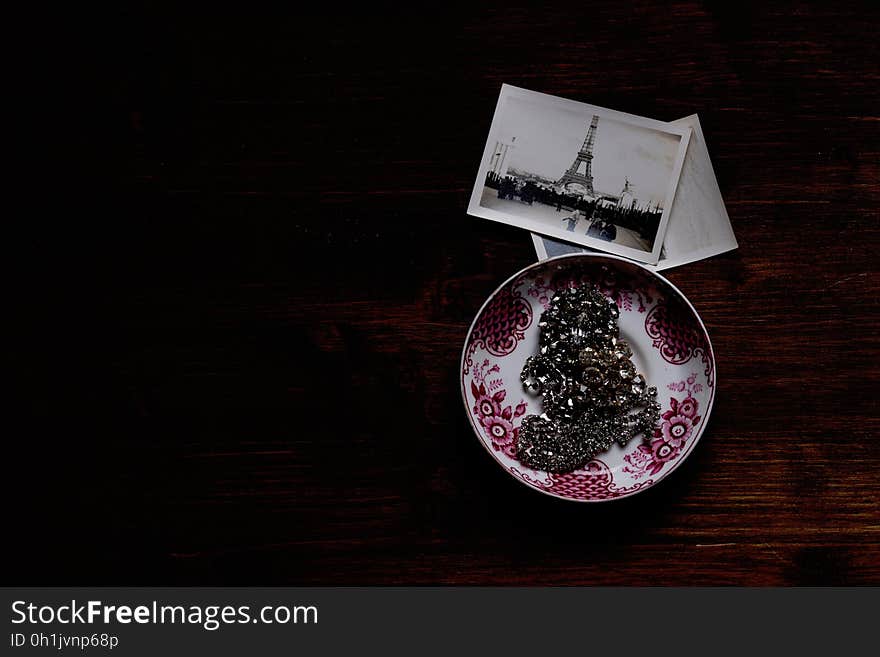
670 347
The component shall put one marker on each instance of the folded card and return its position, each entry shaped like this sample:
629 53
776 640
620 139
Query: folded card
698 223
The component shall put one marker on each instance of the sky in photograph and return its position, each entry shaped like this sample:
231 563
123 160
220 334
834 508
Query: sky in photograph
548 138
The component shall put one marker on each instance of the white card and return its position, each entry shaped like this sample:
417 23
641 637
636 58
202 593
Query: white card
698 223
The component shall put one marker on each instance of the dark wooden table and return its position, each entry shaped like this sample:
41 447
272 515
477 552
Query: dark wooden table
237 332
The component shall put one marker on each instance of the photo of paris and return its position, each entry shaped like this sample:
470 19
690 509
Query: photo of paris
591 175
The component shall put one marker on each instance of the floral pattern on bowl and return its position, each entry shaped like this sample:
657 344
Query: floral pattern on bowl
670 346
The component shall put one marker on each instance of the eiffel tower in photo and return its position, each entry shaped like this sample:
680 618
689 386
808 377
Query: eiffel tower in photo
585 158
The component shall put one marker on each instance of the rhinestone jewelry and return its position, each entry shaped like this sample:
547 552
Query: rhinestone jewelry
592 395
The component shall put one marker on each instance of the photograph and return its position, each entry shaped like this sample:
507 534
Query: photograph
580 173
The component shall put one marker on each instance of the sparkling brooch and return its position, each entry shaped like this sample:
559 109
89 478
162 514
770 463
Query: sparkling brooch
592 395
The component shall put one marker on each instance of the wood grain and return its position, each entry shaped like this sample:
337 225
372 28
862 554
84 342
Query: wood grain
237 332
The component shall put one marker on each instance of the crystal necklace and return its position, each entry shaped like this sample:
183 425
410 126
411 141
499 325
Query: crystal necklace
592 395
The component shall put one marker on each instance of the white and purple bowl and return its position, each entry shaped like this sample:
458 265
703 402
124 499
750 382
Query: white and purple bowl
670 347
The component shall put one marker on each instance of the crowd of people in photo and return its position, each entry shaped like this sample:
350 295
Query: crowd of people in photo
603 217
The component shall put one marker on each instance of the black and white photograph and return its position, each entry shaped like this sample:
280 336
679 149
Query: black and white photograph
580 173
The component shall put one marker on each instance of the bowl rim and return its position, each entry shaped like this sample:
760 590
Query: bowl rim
601 256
